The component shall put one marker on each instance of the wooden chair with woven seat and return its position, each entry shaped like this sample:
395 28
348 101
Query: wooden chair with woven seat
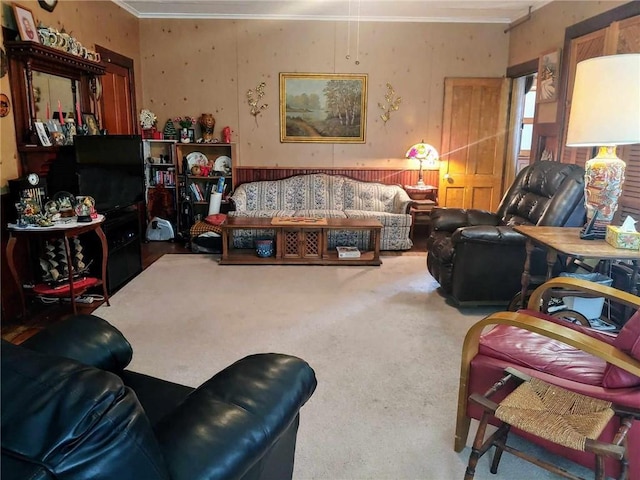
576 358
555 414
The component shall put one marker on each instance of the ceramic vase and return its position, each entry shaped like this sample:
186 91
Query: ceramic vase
264 248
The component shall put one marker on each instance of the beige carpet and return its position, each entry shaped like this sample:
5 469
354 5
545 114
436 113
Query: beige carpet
384 344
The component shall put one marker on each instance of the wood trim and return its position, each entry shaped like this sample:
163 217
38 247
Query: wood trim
109 56
388 176
523 69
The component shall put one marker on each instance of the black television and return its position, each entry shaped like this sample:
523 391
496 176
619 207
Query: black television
110 169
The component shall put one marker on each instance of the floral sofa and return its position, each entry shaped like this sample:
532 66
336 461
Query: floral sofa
326 196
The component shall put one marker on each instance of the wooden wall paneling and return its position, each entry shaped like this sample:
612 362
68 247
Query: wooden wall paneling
245 174
582 48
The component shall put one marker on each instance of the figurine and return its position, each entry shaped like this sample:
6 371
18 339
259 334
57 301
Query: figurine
207 123
226 135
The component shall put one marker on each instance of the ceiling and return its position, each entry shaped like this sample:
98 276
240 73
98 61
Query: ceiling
478 11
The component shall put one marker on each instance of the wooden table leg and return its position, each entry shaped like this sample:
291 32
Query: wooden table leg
70 271
11 245
634 277
225 243
526 273
105 253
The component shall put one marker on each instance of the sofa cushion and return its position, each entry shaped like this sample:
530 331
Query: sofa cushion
386 219
318 191
522 347
262 213
314 213
628 340
375 197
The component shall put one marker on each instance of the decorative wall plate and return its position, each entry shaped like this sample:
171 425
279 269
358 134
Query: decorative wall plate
197 158
222 164
5 105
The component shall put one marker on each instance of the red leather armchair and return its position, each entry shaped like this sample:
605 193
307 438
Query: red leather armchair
574 357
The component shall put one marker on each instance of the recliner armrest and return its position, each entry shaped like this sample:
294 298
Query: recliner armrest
86 339
228 423
488 234
450 219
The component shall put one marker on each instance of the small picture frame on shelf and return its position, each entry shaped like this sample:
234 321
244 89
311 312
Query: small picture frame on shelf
25 23
43 135
192 135
89 119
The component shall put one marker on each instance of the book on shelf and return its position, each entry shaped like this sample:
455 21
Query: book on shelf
197 196
348 252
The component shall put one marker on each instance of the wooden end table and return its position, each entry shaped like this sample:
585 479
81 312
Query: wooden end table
567 241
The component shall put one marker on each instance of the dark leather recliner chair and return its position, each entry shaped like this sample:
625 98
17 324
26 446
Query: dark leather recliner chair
70 410
478 258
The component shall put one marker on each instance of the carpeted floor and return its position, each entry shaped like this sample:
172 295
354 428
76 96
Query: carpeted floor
383 342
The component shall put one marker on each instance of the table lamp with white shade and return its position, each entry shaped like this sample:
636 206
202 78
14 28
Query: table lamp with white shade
605 112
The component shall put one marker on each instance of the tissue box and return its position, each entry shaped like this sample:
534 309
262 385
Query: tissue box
618 239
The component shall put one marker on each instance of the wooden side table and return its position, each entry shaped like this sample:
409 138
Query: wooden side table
425 198
64 232
421 208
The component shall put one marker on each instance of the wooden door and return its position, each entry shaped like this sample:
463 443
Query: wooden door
474 136
117 101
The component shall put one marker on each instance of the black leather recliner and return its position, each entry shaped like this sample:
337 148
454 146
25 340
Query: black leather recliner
71 411
478 258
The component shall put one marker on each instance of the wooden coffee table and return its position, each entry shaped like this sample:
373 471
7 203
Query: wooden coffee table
299 244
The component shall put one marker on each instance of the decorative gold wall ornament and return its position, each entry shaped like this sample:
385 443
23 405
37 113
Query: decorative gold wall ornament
392 103
253 99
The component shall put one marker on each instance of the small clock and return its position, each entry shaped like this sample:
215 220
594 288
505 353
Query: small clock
33 179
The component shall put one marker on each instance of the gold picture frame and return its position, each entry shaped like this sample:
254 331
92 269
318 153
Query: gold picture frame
548 76
323 108
25 23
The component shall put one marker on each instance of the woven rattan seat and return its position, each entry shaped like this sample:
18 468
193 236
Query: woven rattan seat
554 414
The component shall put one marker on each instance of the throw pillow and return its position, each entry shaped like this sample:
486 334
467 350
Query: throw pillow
628 340
215 219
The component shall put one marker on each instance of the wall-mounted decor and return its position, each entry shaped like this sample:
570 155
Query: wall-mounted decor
392 103
48 5
548 72
323 108
253 99
5 105
26 24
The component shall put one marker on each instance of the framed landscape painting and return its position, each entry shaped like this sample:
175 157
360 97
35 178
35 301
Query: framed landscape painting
323 108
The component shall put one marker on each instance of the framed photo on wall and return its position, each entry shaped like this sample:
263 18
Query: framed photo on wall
548 73
25 23
323 108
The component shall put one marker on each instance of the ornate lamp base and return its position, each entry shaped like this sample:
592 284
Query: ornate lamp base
603 179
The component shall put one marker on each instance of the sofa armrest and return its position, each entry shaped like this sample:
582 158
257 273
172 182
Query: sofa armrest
86 339
555 331
224 427
402 201
450 219
488 234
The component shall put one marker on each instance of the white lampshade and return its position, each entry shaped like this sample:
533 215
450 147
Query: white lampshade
605 105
